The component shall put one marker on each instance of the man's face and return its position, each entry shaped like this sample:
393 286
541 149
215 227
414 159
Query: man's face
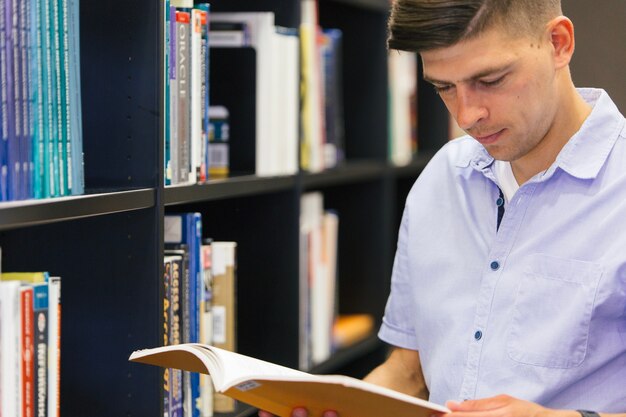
501 90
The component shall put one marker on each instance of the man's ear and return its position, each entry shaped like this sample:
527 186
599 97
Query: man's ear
561 36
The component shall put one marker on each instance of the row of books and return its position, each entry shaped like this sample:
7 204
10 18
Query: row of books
236 105
30 335
323 330
41 129
198 307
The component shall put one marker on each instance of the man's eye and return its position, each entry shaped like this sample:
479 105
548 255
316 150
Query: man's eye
440 89
492 83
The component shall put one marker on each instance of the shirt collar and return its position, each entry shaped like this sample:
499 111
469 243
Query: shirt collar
584 154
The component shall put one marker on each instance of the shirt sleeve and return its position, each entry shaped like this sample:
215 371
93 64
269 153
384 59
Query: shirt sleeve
397 328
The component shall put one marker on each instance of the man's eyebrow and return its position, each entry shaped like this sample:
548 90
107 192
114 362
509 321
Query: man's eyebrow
484 73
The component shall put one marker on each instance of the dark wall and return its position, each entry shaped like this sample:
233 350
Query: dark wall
600 58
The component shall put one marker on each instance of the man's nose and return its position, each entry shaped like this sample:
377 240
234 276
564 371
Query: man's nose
469 108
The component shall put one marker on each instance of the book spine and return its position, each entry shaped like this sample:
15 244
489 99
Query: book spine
195 268
10 329
204 71
173 100
54 347
4 111
59 99
13 98
195 93
36 96
167 313
65 96
183 100
40 309
51 153
28 345
26 142
76 161
206 329
176 402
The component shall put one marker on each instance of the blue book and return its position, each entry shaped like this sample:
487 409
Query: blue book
59 104
75 124
4 115
25 156
186 229
36 100
49 104
13 107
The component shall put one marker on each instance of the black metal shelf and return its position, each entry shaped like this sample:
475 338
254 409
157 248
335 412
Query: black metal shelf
17 214
226 188
376 5
347 355
348 173
414 168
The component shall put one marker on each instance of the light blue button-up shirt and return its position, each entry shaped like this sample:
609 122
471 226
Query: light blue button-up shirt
536 309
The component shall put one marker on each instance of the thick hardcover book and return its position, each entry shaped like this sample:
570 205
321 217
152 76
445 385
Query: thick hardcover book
278 389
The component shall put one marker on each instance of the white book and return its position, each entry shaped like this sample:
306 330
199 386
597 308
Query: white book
261 30
196 96
54 346
278 389
10 350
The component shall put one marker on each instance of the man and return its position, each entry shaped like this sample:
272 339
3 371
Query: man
510 271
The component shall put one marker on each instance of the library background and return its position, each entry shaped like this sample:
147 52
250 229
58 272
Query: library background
231 173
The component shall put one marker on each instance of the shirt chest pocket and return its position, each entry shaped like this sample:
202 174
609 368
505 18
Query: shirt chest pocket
552 312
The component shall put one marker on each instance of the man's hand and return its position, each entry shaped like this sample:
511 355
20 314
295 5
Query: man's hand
300 412
504 406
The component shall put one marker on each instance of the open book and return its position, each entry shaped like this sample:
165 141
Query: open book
278 389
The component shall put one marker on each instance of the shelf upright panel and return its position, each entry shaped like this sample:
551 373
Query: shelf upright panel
120 71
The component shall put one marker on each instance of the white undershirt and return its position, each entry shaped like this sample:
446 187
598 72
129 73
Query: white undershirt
506 180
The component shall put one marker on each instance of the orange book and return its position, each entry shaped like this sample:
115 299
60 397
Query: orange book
278 389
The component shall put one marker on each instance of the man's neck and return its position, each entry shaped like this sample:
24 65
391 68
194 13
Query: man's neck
572 114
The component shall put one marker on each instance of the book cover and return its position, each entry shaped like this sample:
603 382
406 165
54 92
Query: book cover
278 389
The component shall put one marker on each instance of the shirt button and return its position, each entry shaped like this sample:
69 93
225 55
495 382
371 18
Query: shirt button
478 335
495 265
500 201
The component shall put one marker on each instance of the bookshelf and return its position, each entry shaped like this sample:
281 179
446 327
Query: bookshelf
108 244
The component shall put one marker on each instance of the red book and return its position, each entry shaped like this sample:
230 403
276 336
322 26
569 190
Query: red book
28 349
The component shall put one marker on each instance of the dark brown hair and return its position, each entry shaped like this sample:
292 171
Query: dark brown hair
420 25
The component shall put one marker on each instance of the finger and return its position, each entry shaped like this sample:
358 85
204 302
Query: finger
299 412
265 414
482 404
330 413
